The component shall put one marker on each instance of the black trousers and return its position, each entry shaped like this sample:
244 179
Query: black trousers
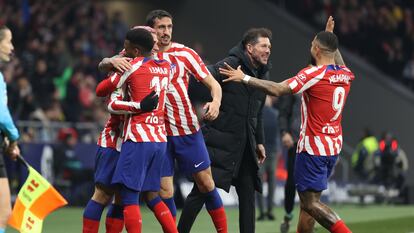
290 188
244 184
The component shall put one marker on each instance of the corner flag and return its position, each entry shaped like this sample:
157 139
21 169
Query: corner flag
36 199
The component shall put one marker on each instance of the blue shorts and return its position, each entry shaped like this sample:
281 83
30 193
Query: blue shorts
139 165
191 154
312 172
105 164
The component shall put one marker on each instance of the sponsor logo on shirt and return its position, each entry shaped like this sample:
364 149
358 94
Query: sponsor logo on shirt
327 129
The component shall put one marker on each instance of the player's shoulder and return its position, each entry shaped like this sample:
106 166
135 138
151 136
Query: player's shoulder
346 69
311 69
180 48
137 60
309 72
177 46
340 69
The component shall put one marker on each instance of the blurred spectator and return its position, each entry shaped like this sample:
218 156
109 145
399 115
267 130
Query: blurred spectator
391 163
267 169
363 156
58 46
68 169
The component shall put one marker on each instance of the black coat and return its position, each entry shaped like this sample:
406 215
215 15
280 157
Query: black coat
239 126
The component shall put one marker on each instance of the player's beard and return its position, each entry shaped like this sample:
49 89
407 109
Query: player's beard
165 40
312 60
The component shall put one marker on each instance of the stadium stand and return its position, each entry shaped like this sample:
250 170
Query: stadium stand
54 73
381 32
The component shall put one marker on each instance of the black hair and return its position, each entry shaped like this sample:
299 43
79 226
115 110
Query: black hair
328 40
141 38
156 14
2 29
252 35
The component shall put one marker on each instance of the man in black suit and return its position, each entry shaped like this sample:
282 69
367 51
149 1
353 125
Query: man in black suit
235 139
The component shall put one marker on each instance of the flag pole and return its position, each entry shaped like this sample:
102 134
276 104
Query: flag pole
22 160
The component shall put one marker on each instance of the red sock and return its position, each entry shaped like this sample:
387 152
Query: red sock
132 219
164 217
90 226
340 227
114 225
219 219
175 219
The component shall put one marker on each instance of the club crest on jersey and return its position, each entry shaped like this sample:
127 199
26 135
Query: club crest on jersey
301 78
158 70
173 68
339 78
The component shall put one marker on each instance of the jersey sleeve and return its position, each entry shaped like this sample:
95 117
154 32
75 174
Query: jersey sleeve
195 64
117 105
108 85
111 83
305 79
7 126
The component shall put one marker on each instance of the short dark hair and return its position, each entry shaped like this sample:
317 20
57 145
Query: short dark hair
328 40
156 14
252 35
141 38
2 29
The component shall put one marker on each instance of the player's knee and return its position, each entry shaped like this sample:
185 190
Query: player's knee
308 206
205 185
102 196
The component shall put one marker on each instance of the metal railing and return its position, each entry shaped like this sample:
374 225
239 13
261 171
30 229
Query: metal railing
41 132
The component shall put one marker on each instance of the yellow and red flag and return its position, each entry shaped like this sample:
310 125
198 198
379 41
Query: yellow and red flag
36 199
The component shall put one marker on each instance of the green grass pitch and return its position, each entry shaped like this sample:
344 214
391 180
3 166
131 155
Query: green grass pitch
367 219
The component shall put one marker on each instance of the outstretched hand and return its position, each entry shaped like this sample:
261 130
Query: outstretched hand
150 102
236 75
121 64
330 24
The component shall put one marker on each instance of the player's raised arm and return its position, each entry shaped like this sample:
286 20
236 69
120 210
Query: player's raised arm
269 87
330 24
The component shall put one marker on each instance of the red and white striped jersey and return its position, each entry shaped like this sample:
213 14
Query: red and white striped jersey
325 89
111 135
119 106
180 115
144 76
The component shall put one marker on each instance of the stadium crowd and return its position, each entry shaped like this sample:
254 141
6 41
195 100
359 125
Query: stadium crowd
53 75
382 32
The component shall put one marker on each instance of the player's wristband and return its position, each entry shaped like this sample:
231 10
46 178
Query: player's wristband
246 79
